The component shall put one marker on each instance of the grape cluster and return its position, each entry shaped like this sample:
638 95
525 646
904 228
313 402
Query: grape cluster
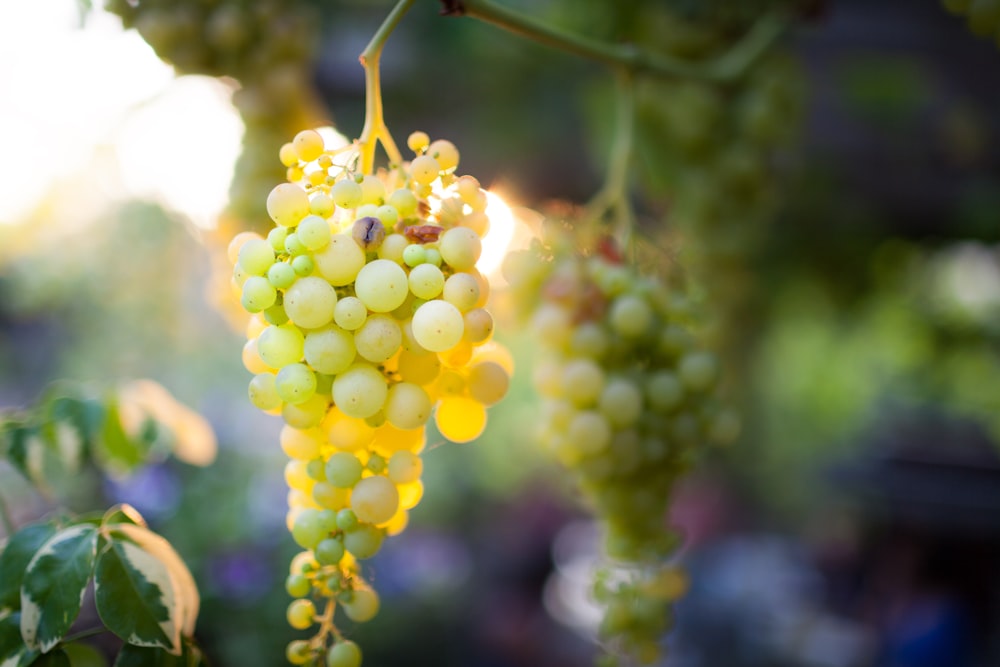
982 16
628 397
368 319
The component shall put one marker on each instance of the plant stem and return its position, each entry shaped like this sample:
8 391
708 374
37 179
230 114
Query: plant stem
613 197
726 67
9 527
83 634
375 130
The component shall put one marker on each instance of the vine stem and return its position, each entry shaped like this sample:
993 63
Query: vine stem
9 526
375 130
726 67
613 196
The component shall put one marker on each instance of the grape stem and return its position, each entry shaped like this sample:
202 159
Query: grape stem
375 130
613 196
725 67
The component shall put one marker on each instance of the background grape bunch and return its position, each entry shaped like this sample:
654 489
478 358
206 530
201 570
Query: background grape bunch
629 397
368 317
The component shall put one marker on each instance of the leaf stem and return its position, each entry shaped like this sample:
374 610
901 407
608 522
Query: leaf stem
83 634
613 197
375 130
726 67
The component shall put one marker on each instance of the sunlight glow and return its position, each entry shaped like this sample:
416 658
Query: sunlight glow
497 240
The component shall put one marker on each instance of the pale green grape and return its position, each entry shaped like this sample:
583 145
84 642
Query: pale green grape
313 232
382 285
620 402
419 368
426 280
407 405
339 262
307 531
445 153
372 190
276 237
347 520
392 248
589 340
589 432
281 274
293 245
488 382
582 382
349 433
405 467
303 265
308 144
362 606
404 201
307 414
437 325
350 313
424 169
287 204
478 325
256 256
414 254
698 371
329 350
374 499
329 551
299 444
295 383
378 338
297 586
388 215
343 470
263 393
462 291
298 652
346 193
360 391
630 316
364 540
344 653
258 294
279 346
310 302
664 391
301 614
321 204
460 248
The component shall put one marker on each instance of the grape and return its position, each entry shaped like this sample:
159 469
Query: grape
360 391
298 652
307 414
488 382
363 541
438 325
287 204
313 232
343 469
279 346
421 369
258 294
426 280
301 614
460 419
378 339
263 393
346 193
307 531
281 275
381 285
297 586
340 261
344 653
374 499
362 606
298 444
295 383
698 370
630 316
620 402
462 291
329 551
256 256
424 169
405 466
329 350
393 247
478 326
350 313
582 382
407 405
349 433
460 248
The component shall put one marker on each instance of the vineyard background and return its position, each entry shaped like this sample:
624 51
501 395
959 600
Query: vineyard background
866 483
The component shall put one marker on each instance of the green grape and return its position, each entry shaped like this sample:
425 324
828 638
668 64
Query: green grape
393 247
313 232
256 257
378 339
478 326
307 414
344 653
347 520
362 606
263 393
404 201
298 652
279 346
310 302
295 383
340 261
363 541
303 265
360 391
329 551
307 531
488 382
698 371
258 294
343 469
424 169
426 281
281 275
297 586
287 204
621 402
374 499
419 368
404 467
381 285
329 350
438 325
346 193
462 291
630 316
301 614
583 382
372 190
407 405
460 248
350 313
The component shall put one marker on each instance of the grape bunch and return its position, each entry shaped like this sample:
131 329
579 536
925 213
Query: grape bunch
982 16
368 319
628 398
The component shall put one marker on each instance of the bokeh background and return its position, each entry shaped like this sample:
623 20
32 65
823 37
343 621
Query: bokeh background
857 520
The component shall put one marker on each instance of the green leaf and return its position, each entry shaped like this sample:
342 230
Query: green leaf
26 450
119 452
13 651
123 513
15 558
84 655
188 600
56 658
136 597
54 584
142 656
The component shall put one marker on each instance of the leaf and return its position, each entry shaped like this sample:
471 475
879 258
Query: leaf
84 655
113 446
188 600
56 658
13 651
136 597
123 513
26 450
15 558
142 656
54 583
